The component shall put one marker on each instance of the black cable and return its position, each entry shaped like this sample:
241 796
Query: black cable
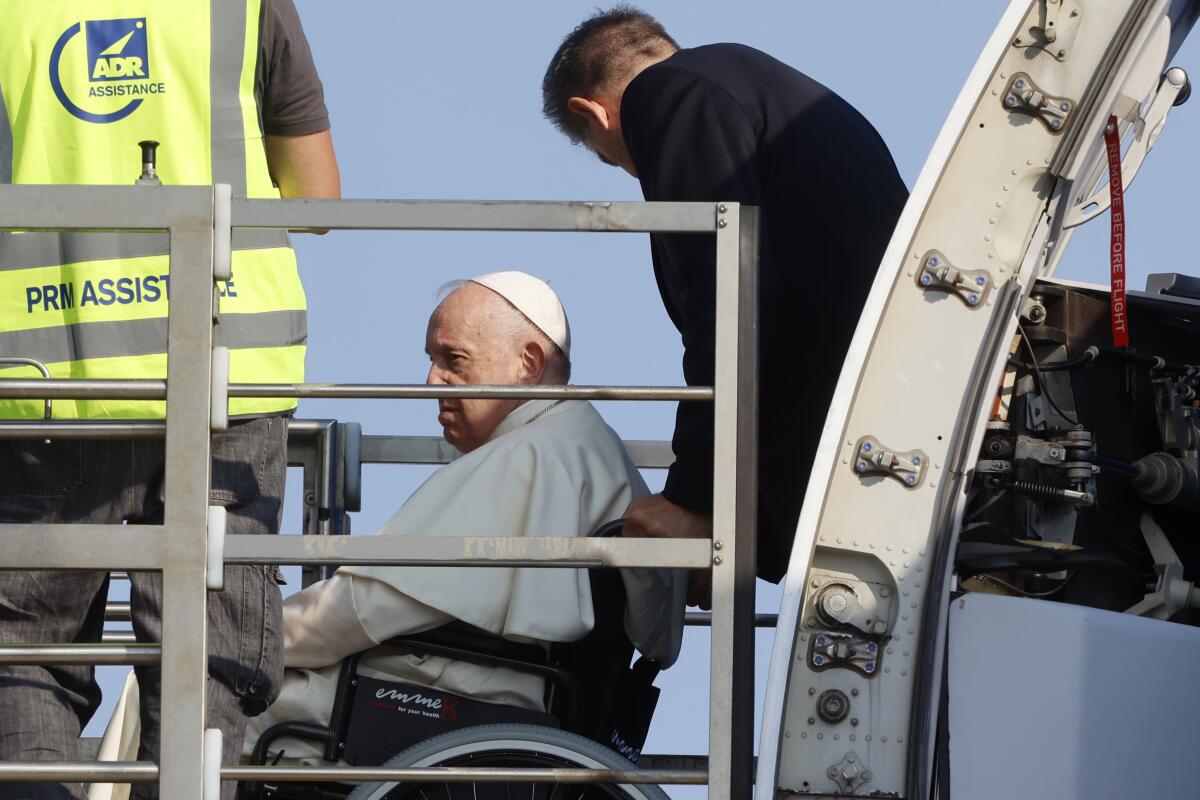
1112 463
1037 373
1082 360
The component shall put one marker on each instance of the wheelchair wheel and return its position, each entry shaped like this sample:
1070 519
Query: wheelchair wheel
528 746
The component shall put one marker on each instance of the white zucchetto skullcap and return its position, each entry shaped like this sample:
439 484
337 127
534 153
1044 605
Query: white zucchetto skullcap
535 299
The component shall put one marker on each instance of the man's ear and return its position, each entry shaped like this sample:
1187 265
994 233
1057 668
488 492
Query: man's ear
533 363
591 110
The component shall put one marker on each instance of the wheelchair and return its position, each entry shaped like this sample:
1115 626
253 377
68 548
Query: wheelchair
598 711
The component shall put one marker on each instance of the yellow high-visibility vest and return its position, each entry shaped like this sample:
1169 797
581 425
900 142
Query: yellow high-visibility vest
80 85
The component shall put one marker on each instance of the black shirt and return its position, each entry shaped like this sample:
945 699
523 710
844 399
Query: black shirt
727 122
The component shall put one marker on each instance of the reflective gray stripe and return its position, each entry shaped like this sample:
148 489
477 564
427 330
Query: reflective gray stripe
6 142
141 337
30 250
228 133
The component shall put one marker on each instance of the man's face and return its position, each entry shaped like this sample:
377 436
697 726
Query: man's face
468 342
602 130
609 147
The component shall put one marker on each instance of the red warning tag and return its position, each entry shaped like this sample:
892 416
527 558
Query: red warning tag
1116 191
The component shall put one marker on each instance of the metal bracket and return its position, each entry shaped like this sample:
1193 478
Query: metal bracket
872 458
218 411
1055 30
1146 129
831 650
843 602
938 274
211 786
849 773
1023 96
1171 592
214 573
40 367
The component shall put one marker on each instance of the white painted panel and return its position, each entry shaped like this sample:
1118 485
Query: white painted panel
1059 701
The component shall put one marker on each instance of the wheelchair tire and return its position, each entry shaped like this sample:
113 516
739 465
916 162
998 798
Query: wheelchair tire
515 745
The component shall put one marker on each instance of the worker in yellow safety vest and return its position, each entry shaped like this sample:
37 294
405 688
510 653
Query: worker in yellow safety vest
229 89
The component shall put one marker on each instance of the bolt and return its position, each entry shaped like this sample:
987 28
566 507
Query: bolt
812 720
872 647
884 591
973 299
854 720
869 666
934 261
818 660
1011 101
926 279
717 560
911 480
1064 106
861 465
854 692
981 281
880 627
866 448
865 775
832 772
722 208
1019 83
812 690
718 544
916 461
851 758
1062 53
821 640
1056 123
310 498
722 223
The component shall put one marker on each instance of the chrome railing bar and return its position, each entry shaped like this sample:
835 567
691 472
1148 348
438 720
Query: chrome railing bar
703 619
99 654
147 772
117 612
118 637
78 771
463 775
465 551
29 389
468 215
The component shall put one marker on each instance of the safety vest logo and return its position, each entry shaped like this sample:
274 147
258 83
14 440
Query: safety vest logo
117 62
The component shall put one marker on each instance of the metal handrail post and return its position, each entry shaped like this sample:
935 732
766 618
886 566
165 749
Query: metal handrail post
735 463
187 475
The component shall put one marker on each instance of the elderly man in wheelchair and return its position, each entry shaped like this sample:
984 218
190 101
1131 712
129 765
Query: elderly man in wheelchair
492 666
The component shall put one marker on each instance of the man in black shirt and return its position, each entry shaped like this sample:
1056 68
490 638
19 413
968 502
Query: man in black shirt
725 122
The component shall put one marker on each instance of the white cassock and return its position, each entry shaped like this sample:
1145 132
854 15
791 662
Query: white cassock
549 469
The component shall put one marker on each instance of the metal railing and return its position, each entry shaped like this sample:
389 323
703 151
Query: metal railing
186 549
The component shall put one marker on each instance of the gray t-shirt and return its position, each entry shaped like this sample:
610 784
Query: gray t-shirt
291 100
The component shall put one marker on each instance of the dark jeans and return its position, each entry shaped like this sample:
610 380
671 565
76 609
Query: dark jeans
43 709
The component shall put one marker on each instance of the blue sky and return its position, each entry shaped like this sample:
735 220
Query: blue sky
442 101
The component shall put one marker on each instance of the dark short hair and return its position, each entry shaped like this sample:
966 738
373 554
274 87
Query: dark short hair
603 47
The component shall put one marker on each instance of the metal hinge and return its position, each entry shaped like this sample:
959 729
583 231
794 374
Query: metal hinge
938 274
1172 90
1055 29
1023 96
872 458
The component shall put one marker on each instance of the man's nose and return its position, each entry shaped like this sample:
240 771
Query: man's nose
434 377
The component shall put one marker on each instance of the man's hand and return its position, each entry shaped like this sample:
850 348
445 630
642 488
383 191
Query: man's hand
657 517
